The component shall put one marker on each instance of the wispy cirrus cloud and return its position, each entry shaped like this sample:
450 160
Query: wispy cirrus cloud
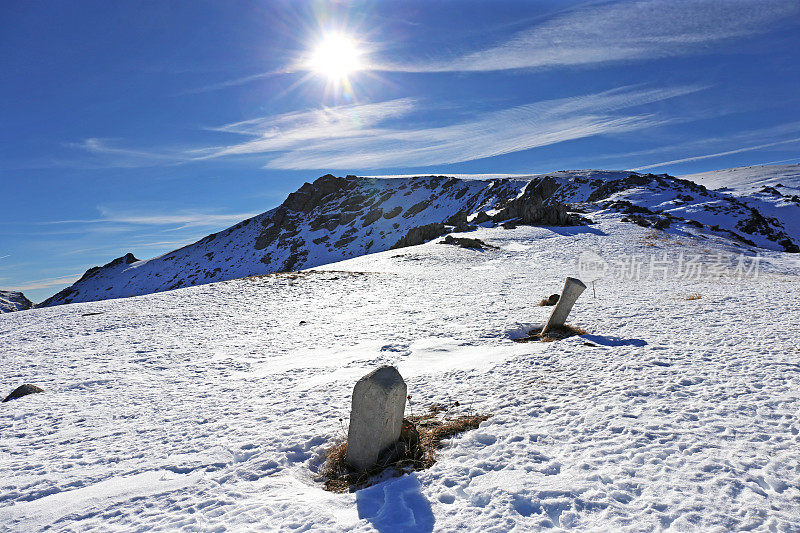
45 283
618 31
718 154
107 154
282 131
183 219
359 136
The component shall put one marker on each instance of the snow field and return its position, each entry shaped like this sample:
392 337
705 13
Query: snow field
211 407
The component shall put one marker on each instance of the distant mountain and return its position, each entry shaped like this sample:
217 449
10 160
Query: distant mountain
13 301
336 218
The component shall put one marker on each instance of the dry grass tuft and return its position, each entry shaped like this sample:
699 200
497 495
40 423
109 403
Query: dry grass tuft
555 334
421 436
693 296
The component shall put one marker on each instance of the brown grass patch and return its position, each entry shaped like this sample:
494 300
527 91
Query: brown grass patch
555 334
421 436
693 296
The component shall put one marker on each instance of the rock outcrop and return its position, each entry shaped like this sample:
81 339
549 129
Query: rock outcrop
22 390
13 301
420 235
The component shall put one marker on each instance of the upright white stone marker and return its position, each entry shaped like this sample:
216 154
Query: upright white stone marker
573 288
376 418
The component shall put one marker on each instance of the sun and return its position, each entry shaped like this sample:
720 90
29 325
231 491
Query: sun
336 57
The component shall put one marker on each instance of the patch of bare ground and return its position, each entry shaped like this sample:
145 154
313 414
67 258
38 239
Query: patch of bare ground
554 334
420 437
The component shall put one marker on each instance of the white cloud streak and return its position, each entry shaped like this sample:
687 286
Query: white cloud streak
184 219
46 283
620 31
355 137
111 156
718 154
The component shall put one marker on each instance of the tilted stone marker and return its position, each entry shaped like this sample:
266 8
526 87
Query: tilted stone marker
573 288
379 401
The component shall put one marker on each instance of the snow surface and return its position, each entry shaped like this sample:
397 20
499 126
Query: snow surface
211 407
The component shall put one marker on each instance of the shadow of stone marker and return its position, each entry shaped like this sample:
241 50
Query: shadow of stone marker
573 288
376 417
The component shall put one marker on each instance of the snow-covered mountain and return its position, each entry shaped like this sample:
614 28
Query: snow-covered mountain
13 301
332 219
336 218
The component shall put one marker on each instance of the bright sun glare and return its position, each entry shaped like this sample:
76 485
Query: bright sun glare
335 57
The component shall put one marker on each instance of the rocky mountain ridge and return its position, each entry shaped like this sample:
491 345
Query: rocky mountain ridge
335 218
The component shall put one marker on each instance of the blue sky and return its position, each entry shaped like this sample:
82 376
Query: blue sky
143 126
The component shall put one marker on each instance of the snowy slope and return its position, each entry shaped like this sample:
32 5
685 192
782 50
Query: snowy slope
329 220
651 198
749 180
338 218
13 301
772 190
210 407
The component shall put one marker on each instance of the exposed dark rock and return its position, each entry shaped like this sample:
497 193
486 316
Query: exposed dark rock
789 246
662 223
354 202
416 208
614 186
421 234
326 221
273 227
23 390
466 242
639 220
294 260
461 193
393 213
372 216
459 221
309 195
624 206
771 190
531 207
481 218
345 239
347 218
